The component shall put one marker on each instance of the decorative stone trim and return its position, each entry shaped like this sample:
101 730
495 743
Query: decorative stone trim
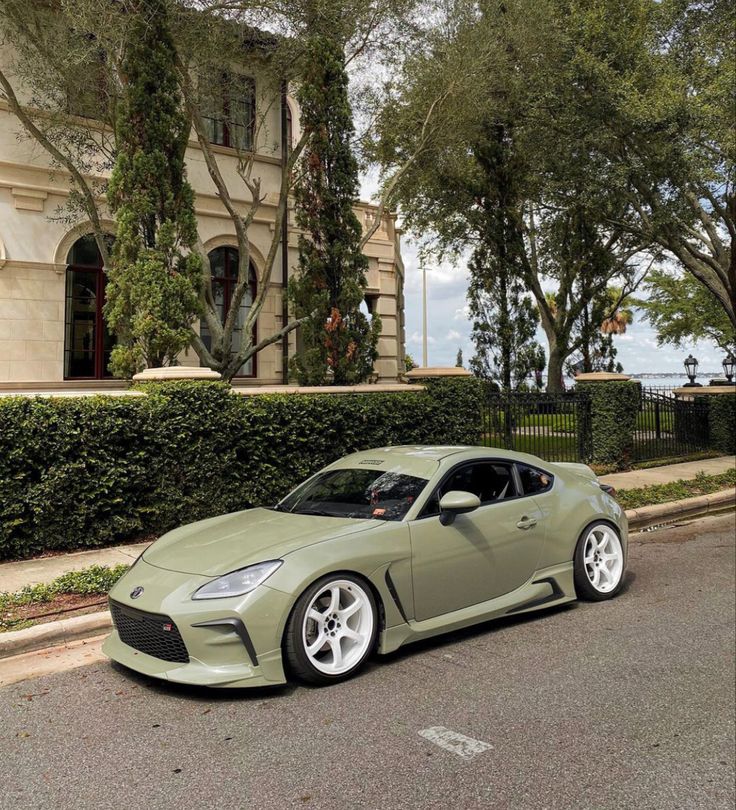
704 391
27 199
3 254
601 376
65 245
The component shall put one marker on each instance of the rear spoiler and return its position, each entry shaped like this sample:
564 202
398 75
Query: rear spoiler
584 471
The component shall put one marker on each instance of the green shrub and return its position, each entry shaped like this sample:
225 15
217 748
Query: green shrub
614 407
722 422
94 471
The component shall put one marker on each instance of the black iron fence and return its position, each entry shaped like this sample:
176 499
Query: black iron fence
555 427
668 426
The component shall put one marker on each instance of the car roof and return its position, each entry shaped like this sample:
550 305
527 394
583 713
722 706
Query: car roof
422 460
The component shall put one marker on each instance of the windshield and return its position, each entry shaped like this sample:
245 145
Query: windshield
355 494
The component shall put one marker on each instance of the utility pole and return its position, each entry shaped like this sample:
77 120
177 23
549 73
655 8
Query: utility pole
424 316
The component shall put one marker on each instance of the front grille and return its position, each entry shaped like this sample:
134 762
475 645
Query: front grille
150 633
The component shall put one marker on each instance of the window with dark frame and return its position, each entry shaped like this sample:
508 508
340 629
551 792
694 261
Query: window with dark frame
534 481
224 268
230 111
87 90
491 481
87 340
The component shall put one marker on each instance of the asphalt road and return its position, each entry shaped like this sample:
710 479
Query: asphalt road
628 703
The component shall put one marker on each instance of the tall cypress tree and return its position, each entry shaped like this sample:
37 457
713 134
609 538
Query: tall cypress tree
331 279
153 284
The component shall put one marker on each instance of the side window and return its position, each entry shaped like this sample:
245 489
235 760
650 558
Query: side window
490 481
534 481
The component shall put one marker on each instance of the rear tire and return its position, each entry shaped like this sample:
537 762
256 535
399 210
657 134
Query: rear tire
599 563
332 630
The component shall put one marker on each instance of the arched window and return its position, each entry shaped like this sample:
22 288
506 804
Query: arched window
224 268
87 342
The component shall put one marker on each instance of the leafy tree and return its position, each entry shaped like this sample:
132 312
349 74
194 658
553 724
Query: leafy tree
682 309
331 281
582 259
650 93
153 282
409 363
459 359
517 172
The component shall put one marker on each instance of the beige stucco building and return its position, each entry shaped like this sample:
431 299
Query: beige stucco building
51 293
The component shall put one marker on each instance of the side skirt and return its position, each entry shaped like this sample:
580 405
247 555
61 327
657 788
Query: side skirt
546 588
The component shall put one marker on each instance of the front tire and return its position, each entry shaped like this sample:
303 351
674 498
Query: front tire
599 563
332 630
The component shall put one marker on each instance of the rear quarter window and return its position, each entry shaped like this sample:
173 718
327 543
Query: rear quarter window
533 480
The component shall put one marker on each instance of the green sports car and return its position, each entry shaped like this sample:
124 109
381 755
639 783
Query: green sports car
379 549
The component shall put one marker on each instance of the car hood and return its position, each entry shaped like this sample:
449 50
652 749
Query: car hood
222 544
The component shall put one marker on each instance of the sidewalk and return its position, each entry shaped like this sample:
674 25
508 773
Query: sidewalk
636 479
16 575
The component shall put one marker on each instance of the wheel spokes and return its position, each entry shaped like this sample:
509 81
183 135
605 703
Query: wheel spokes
603 559
334 599
316 646
350 610
336 651
338 627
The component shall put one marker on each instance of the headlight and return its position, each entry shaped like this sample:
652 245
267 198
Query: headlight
237 583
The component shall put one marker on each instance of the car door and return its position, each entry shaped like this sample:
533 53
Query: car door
482 554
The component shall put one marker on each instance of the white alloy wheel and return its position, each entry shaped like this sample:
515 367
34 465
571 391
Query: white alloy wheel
603 558
338 627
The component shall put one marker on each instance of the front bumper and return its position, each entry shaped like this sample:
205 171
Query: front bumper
232 642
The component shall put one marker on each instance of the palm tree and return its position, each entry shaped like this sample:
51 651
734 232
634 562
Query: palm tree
619 317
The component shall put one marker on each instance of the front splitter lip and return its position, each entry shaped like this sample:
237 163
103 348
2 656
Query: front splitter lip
197 673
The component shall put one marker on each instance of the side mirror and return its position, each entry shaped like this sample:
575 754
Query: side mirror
456 503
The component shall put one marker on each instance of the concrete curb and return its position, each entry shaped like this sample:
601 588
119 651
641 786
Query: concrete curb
53 634
698 506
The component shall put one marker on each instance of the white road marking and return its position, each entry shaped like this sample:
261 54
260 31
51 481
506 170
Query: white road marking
465 747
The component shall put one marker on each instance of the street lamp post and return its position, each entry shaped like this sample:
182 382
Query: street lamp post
424 316
729 364
691 369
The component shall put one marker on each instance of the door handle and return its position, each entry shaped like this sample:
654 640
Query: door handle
526 523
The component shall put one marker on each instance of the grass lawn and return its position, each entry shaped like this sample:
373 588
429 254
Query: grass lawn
676 490
551 448
645 421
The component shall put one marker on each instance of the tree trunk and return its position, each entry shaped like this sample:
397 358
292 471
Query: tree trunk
554 370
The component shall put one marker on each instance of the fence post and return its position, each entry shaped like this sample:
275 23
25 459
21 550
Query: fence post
614 407
715 409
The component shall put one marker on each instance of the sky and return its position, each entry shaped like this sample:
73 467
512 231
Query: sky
448 327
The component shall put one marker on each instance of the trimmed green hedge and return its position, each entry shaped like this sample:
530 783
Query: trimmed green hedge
614 407
93 471
722 422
